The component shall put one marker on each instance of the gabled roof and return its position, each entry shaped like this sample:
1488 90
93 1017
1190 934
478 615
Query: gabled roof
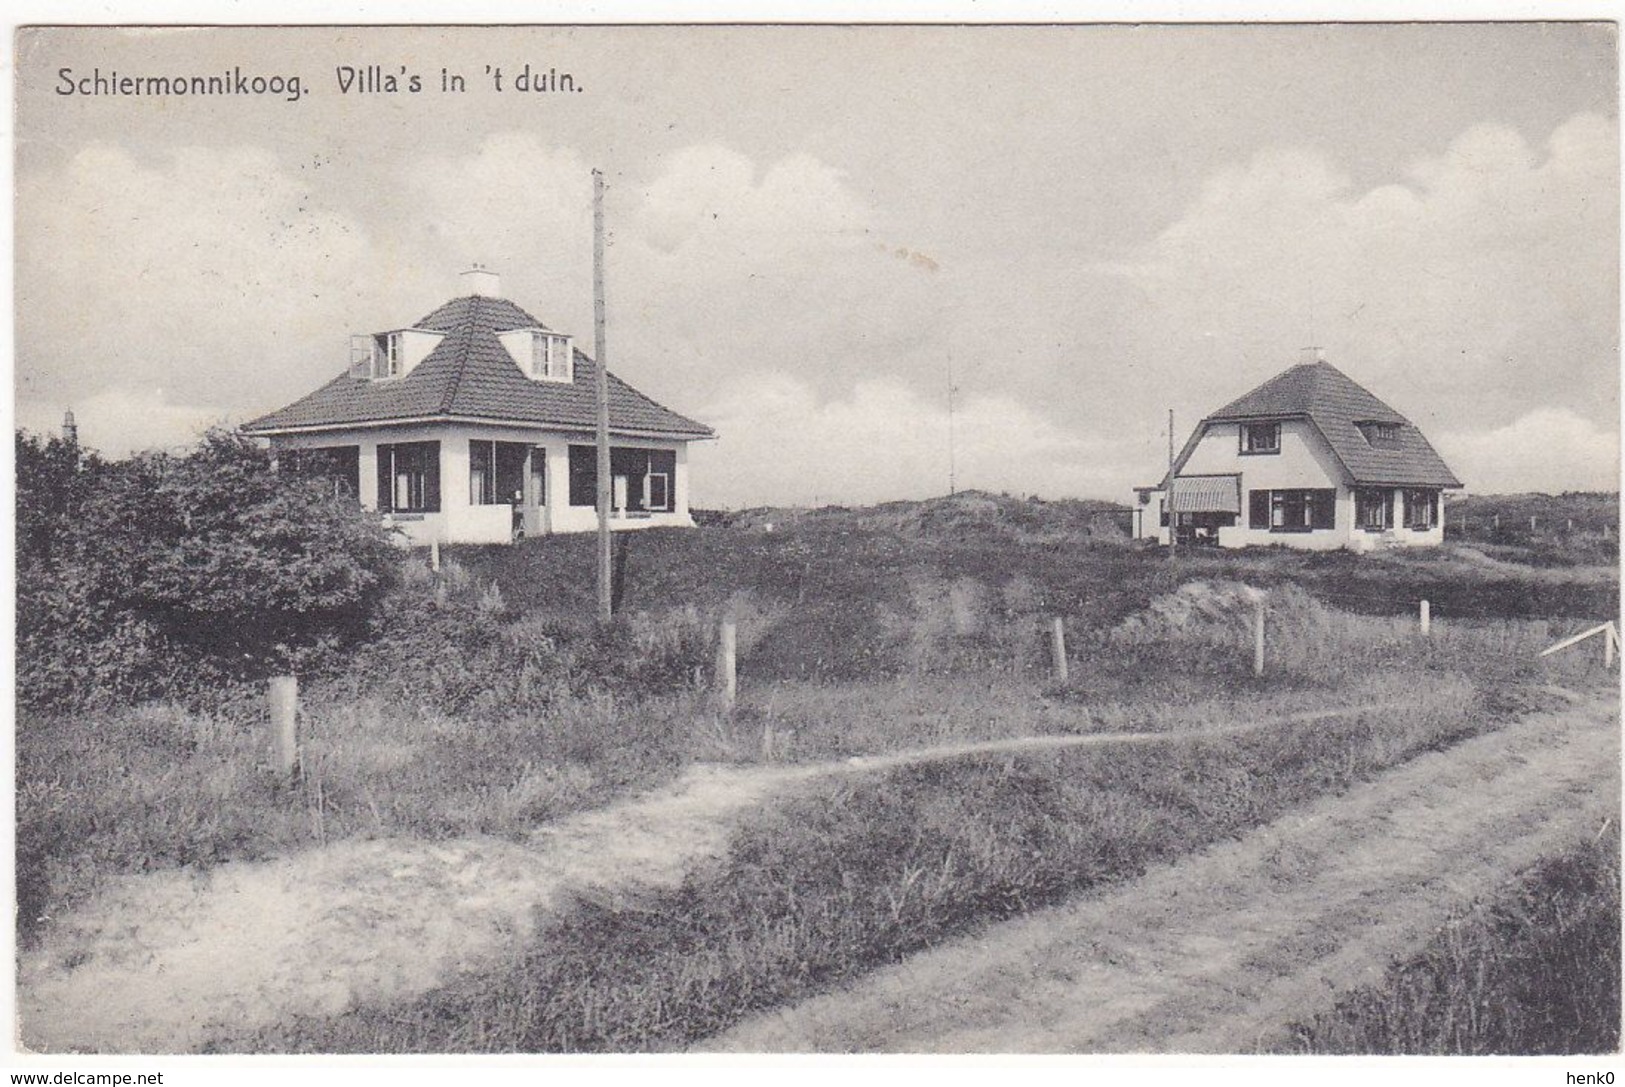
470 375
1335 404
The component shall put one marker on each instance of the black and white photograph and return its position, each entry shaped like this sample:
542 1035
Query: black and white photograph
1079 539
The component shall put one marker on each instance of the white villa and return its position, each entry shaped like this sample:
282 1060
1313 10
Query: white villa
476 425
1308 459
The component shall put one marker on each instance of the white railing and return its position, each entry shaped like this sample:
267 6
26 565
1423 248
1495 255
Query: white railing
1610 642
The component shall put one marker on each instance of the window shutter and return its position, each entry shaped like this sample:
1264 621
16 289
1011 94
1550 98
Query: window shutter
1324 505
431 477
386 478
583 475
1258 509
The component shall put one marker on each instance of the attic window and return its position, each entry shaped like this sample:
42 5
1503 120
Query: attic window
1380 435
378 355
1261 437
550 357
386 354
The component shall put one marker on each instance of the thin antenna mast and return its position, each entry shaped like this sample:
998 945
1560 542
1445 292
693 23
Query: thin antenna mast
952 488
600 352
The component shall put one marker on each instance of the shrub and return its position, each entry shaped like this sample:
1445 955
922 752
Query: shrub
165 576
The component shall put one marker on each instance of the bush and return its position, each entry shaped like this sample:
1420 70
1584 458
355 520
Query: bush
166 576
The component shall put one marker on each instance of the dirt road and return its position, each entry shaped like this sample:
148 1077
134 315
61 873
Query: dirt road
158 963
1218 952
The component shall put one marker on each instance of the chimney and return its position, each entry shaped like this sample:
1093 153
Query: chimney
70 429
1311 354
482 281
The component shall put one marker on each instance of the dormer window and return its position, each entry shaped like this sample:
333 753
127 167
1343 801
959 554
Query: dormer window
550 357
1380 435
383 355
540 353
1260 438
386 354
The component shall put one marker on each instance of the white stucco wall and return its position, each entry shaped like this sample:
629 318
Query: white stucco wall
1304 461
459 520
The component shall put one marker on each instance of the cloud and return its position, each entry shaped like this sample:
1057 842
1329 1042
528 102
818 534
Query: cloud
717 265
516 205
121 420
1548 449
781 444
773 298
1481 282
213 273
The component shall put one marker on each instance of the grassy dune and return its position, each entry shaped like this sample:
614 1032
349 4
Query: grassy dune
490 705
1533 970
858 873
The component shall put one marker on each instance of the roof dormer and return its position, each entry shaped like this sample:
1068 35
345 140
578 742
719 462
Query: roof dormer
1379 433
541 353
392 354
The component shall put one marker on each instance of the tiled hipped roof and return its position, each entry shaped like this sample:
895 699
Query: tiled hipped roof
470 375
1334 403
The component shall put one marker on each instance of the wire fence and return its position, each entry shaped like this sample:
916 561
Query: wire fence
1594 606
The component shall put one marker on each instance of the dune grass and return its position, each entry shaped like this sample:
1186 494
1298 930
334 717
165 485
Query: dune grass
159 786
859 872
130 790
1532 970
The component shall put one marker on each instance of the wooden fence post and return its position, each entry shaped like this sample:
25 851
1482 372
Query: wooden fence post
1057 637
1608 647
1426 618
283 694
434 555
727 679
1531 523
1258 639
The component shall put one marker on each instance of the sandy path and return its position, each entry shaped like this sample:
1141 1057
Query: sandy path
1219 951
159 963
154 962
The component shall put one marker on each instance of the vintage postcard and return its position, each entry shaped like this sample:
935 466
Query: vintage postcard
1071 539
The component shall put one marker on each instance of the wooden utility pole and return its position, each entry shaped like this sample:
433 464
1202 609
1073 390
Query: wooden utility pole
1168 492
606 602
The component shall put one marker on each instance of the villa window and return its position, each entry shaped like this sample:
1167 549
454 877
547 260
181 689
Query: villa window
409 477
650 477
1299 510
337 466
496 472
1373 508
1260 438
1421 509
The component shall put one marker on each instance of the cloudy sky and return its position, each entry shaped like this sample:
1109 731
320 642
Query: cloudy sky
810 226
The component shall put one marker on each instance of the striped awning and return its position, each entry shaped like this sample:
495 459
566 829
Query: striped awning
1206 494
